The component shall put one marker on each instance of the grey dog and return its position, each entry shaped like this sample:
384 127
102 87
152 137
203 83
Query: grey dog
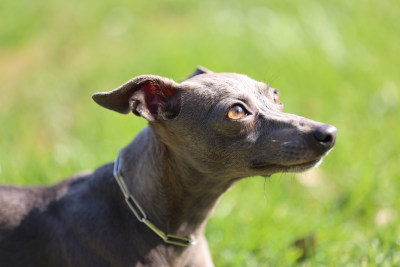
150 206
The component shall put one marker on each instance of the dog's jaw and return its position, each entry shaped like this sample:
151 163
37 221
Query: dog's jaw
267 169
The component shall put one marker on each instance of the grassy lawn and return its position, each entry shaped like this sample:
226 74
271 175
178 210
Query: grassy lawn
334 61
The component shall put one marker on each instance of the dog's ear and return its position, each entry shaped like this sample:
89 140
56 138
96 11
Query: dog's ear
149 96
199 70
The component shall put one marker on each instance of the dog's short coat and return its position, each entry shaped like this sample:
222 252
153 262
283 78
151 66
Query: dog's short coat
204 134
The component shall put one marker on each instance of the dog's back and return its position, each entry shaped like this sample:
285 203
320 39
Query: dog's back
30 218
67 224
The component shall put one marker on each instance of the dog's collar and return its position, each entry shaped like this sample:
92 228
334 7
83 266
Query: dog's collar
141 215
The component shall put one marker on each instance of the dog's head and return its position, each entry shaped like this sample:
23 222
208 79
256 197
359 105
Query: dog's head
223 123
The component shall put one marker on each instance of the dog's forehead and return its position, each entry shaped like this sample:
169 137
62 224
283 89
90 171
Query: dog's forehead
226 83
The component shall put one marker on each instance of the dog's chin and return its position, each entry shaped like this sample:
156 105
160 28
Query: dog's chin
304 166
269 169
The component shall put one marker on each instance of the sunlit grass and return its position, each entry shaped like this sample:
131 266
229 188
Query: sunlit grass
333 61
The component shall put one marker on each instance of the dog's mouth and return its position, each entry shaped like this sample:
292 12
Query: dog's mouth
298 167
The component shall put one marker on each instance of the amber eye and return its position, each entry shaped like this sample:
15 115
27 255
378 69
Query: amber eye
277 100
236 113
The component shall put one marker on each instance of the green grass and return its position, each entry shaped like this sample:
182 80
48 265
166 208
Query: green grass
334 61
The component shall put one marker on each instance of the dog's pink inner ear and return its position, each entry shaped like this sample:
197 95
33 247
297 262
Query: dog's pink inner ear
156 95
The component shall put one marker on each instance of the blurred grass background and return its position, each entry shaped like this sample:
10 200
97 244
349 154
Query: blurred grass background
334 61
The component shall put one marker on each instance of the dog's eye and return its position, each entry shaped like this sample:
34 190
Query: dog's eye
236 113
277 100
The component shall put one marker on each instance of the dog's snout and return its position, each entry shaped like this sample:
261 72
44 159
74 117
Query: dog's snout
325 135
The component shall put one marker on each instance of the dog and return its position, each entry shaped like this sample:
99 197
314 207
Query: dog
150 206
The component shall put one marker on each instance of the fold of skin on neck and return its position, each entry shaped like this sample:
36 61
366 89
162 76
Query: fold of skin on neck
175 197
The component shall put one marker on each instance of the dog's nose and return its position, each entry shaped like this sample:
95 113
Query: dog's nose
325 135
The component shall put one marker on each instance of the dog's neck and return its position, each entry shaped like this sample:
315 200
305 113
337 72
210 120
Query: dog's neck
175 197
